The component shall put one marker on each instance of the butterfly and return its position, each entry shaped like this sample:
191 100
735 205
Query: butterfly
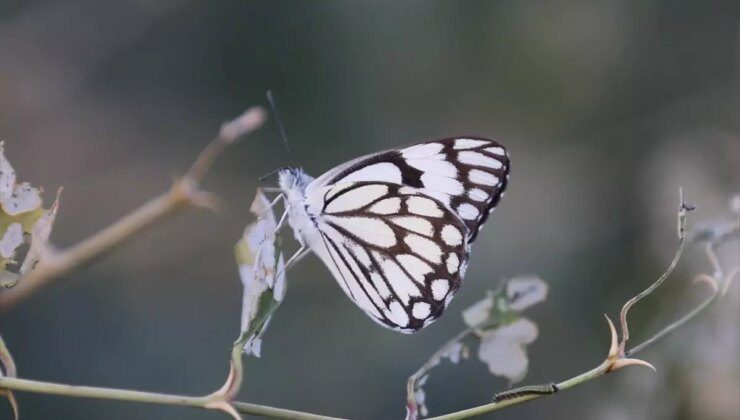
395 227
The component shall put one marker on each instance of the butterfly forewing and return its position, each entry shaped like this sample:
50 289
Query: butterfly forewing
467 174
400 254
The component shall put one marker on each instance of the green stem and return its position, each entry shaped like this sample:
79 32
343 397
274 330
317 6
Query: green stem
487 408
41 387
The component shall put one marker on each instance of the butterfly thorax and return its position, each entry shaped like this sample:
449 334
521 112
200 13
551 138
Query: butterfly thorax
293 182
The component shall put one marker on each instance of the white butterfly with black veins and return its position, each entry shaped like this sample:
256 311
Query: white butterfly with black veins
395 228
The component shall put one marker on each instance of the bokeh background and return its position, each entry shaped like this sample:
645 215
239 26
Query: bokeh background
607 107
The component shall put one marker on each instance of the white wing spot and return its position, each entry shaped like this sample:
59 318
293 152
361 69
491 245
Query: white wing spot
440 196
371 230
468 143
468 211
478 159
380 285
399 281
451 235
359 252
424 247
414 266
386 206
453 263
397 314
477 176
424 207
379 172
440 287
434 165
421 151
357 198
442 183
421 310
478 194
337 188
407 190
414 224
496 151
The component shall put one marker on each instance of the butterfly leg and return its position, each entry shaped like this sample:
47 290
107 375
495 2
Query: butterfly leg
302 252
281 222
297 256
271 189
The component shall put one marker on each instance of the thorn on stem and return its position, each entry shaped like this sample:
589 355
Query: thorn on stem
616 356
225 407
709 280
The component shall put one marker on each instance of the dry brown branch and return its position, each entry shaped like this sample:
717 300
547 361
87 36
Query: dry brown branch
184 193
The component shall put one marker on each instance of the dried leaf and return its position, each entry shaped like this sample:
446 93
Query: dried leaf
421 397
456 352
7 175
24 198
40 233
21 212
523 292
259 261
12 239
504 349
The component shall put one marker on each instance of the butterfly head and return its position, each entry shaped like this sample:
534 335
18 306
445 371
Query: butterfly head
293 180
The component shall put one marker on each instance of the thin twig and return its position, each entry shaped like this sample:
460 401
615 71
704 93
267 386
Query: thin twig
682 212
718 293
592 374
185 192
433 361
27 385
617 357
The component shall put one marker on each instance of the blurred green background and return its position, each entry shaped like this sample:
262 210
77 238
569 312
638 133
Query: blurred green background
606 107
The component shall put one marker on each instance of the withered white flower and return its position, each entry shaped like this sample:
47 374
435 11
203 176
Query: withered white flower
22 218
504 349
523 292
12 239
24 198
7 175
479 311
259 262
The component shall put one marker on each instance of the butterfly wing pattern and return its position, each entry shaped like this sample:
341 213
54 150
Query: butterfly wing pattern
395 227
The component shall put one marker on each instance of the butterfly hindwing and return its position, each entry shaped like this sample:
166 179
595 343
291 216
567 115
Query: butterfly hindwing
399 254
467 174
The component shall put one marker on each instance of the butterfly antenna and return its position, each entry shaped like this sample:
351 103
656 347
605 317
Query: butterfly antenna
283 136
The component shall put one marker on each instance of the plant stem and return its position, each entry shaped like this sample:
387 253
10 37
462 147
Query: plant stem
682 212
41 387
184 193
684 319
568 383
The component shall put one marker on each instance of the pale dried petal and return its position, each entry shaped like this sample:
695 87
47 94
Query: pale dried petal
7 175
258 266
24 198
504 349
523 292
455 352
478 312
12 239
